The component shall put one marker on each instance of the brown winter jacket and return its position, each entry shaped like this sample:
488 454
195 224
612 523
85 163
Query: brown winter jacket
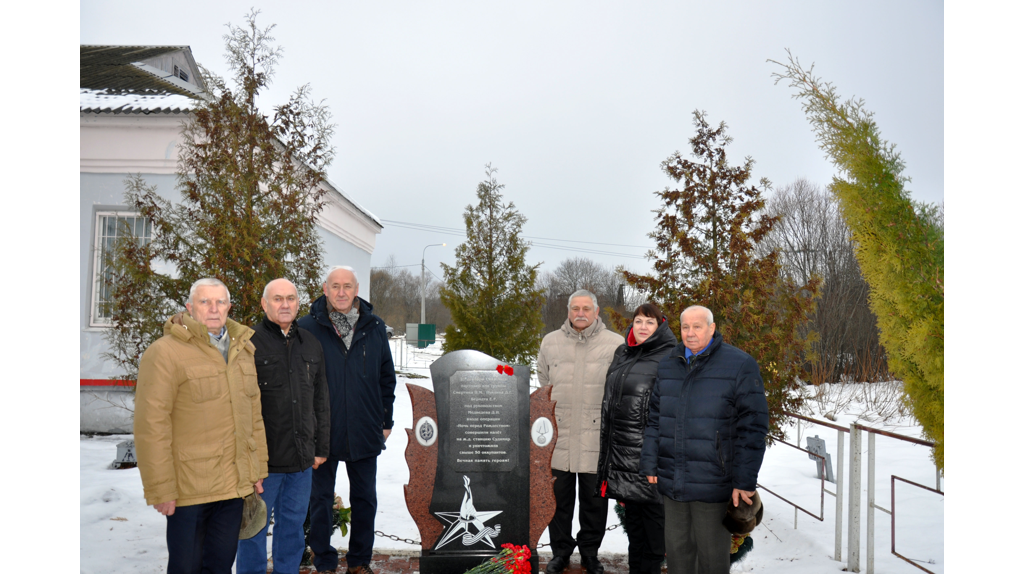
575 364
198 426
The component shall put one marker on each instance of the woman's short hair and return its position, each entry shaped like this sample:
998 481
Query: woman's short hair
649 310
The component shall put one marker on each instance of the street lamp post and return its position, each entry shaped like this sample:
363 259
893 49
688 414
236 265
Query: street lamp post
423 282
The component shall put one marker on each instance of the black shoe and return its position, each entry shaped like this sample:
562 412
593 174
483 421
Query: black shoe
557 564
592 565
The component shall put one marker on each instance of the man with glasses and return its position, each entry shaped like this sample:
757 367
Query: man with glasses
199 434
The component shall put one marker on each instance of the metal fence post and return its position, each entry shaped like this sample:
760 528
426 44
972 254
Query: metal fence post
839 497
853 534
871 504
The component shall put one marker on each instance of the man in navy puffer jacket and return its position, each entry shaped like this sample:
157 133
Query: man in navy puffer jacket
704 441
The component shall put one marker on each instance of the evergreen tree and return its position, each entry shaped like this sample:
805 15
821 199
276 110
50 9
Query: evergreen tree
491 291
250 196
900 242
707 236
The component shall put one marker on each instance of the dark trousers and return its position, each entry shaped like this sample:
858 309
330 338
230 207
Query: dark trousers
695 539
645 530
593 514
203 538
362 498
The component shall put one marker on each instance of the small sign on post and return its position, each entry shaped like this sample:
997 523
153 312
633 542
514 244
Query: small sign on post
125 455
817 446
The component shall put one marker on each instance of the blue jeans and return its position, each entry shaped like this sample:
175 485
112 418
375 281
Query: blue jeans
362 497
287 498
202 538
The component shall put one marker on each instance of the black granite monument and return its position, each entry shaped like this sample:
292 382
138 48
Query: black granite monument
481 485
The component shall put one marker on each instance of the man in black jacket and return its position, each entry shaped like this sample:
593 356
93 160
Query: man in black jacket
361 378
296 414
704 442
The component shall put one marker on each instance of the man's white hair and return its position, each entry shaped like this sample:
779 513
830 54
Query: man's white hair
207 282
582 293
337 267
267 288
707 312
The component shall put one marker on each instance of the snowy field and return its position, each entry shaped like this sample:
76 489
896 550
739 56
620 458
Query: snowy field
120 534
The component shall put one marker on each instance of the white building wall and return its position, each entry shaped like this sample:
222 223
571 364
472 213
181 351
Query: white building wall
114 146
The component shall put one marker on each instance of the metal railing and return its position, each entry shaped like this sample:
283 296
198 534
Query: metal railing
840 460
855 437
797 507
892 489
854 513
399 353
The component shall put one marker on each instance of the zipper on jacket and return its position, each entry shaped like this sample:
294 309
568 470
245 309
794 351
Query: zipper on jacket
645 405
718 450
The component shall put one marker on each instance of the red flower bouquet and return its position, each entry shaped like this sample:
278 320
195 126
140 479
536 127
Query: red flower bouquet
512 559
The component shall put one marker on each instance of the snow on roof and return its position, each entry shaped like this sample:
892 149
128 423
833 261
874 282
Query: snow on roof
145 102
355 203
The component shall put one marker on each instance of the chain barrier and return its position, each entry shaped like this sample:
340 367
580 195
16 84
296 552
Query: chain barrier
418 543
609 529
397 539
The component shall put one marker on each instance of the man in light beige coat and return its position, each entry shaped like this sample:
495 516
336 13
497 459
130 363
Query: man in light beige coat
574 360
199 434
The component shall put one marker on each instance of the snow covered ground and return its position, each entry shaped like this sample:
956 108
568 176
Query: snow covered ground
120 534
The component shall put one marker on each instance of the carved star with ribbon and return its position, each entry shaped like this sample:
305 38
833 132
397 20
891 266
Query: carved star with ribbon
459 522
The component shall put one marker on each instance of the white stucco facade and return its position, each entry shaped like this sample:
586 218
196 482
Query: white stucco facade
116 145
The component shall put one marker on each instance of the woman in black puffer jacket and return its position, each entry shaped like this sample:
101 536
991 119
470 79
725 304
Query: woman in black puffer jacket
627 391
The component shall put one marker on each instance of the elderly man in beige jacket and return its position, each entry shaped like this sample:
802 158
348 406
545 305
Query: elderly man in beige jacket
199 433
574 360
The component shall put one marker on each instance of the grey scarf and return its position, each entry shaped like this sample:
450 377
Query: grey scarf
345 323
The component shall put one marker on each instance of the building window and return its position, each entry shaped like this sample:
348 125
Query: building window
111 226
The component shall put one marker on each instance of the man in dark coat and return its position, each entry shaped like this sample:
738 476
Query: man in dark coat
361 381
704 442
296 415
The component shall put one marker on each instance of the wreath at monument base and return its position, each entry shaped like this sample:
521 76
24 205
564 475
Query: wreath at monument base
342 518
741 544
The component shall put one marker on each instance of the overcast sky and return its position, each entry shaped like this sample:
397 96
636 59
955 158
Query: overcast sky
575 103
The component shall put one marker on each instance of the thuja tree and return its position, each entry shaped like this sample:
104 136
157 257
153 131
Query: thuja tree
899 241
490 291
707 234
251 193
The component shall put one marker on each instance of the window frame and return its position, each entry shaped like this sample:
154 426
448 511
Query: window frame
97 262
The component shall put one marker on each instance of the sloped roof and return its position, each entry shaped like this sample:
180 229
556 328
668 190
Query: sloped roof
113 80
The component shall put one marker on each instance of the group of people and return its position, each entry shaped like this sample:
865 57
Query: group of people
674 432
223 410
